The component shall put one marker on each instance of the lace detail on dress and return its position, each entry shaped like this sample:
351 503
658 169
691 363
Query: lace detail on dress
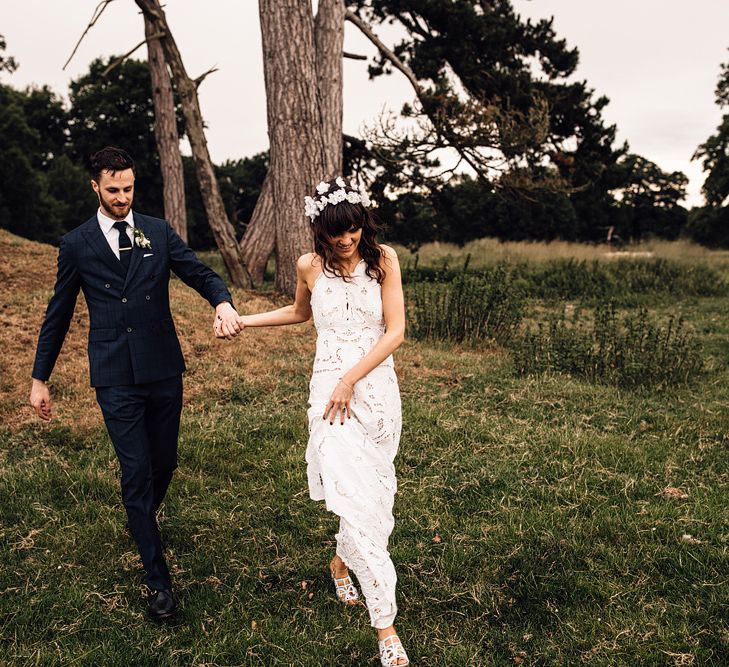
348 319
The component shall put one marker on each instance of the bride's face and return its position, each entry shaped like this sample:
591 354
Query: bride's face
345 245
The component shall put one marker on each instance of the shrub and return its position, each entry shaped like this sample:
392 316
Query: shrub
468 307
570 278
634 351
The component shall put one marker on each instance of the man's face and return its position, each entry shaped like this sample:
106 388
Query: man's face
115 191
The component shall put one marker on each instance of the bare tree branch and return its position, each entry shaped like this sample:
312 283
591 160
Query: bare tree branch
97 14
121 59
220 225
353 56
166 135
491 140
386 51
202 77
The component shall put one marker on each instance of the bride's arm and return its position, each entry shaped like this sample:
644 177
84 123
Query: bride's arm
393 309
299 311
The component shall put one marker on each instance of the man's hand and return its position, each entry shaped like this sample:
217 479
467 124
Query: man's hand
40 399
227 323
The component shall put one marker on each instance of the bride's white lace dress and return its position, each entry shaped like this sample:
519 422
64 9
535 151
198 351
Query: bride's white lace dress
350 466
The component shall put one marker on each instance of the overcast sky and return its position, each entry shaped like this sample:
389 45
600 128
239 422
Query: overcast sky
657 60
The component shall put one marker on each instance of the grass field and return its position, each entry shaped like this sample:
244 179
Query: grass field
539 520
485 252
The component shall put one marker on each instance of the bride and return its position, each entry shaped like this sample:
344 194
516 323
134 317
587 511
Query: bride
352 287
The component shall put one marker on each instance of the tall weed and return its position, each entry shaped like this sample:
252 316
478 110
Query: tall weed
627 352
468 307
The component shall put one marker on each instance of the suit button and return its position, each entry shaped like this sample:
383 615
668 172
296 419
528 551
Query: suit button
107 285
147 297
129 330
124 299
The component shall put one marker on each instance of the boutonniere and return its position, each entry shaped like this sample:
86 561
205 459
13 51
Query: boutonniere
140 239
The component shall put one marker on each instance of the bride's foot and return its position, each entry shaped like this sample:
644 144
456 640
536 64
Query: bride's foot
392 654
343 585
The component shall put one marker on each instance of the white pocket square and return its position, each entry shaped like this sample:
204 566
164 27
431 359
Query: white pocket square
149 254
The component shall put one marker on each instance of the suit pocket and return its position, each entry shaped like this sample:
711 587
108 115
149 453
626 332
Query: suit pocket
151 266
96 335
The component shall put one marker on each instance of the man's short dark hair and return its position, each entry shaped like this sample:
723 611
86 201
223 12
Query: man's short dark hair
110 159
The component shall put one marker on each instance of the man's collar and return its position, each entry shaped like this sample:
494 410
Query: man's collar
107 223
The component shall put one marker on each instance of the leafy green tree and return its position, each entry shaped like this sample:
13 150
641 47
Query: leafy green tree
468 54
463 210
496 58
710 225
7 63
45 180
714 152
116 109
410 219
68 186
651 199
240 183
27 206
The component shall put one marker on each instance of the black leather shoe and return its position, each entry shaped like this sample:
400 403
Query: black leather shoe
161 604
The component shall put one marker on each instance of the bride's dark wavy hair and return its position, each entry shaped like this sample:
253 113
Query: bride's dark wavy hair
336 219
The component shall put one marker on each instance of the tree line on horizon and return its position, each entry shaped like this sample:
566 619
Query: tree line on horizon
560 175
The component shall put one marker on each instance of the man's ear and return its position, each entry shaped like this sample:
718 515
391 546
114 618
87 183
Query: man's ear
95 186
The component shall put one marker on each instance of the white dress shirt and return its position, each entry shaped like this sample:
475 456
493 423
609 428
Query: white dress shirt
111 233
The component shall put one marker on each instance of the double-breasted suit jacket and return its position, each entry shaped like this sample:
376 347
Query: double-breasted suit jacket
132 338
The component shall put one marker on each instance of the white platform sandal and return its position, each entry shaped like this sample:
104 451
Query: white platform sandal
391 651
345 589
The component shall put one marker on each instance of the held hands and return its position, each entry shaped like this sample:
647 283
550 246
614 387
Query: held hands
339 402
227 324
40 399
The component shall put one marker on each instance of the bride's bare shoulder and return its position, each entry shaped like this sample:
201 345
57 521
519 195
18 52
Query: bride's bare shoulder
308 266
388 258
308 261
388 251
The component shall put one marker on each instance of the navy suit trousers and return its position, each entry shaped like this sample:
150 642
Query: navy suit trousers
143 421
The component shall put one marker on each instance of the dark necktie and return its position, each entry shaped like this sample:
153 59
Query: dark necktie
125 244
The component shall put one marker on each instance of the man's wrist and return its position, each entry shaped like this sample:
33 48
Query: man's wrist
36 380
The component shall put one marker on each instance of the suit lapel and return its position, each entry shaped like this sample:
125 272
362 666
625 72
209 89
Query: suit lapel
137 252
96 239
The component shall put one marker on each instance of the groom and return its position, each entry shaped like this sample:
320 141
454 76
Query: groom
122 261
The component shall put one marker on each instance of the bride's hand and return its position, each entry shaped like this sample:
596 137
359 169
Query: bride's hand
227 323
339 403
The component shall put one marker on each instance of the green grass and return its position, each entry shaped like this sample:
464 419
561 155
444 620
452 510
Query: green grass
553 544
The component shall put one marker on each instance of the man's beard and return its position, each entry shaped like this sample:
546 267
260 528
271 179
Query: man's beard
112 210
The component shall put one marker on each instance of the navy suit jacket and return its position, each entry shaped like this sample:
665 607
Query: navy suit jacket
132 338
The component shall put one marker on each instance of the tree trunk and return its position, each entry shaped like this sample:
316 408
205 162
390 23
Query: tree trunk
260 235
165 132
294 127
329 37
259 240
187 88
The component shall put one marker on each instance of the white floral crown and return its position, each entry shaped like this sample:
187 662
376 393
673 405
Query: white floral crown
356 195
